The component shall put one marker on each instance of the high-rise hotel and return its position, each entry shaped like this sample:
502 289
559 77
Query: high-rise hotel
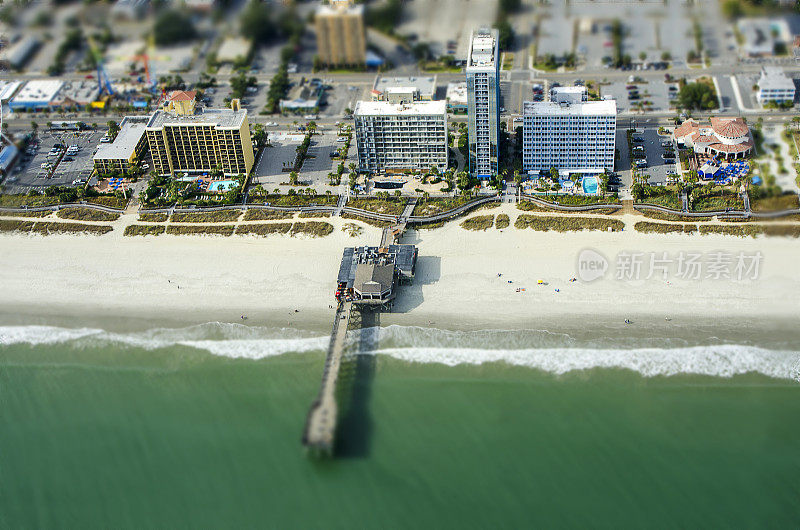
401 137
185 139
569 134
483 107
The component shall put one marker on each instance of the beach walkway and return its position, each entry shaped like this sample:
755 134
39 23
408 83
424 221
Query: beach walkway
321 423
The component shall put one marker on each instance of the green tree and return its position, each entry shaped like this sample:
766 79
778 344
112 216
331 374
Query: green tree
505 34
732 9
510 6
113 129
259 135
173 26
256 24
697 95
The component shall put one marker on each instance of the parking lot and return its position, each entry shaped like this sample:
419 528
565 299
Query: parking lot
341 97
318 163
30 173
653 96
657 168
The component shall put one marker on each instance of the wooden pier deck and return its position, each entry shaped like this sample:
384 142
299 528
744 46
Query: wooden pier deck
321 423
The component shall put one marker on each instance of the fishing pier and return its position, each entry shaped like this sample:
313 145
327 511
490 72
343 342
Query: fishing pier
368 278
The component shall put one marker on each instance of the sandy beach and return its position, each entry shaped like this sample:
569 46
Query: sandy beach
201 278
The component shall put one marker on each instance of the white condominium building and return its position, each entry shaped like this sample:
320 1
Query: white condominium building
774 85
576 137
400 137
483 102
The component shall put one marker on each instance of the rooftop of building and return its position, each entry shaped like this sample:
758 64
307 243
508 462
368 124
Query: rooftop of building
182 95
729 128
483 49
589 108
8 89
400 257
385 108
39 90
339 7
78 91
425 85
773 77
457 92
225 118
233 48
373 278
130 132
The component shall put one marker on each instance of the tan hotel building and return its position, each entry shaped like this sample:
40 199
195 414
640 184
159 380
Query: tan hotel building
341 39
183 140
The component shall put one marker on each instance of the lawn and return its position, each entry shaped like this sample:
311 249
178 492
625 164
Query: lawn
579 200
787 201
384 206
433 206
662 196
86 214
153 217
663 228
313 228
263 229
32 201
718 200
567 224
215 230
219 216
104 200
50 227
254 214
478 222
144 230
300 200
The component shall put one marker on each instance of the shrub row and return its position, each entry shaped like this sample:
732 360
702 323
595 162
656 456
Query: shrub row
51 227
86 214
567 224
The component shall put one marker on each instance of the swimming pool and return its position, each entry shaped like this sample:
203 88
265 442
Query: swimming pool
590 185
222 185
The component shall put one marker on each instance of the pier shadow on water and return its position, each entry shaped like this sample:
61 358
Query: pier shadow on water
354 388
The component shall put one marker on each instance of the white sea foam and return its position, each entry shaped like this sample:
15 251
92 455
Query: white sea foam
717 360
36 335
539 349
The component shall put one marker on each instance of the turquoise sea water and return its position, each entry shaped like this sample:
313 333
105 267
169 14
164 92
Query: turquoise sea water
200 426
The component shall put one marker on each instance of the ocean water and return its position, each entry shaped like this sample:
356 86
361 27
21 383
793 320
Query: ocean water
588 424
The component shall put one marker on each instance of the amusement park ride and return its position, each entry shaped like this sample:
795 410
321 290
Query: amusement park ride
106 89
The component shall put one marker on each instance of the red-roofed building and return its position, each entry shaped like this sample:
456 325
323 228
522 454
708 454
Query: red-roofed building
181 102
726 137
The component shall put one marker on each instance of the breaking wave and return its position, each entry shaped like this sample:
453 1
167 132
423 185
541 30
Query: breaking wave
551 352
